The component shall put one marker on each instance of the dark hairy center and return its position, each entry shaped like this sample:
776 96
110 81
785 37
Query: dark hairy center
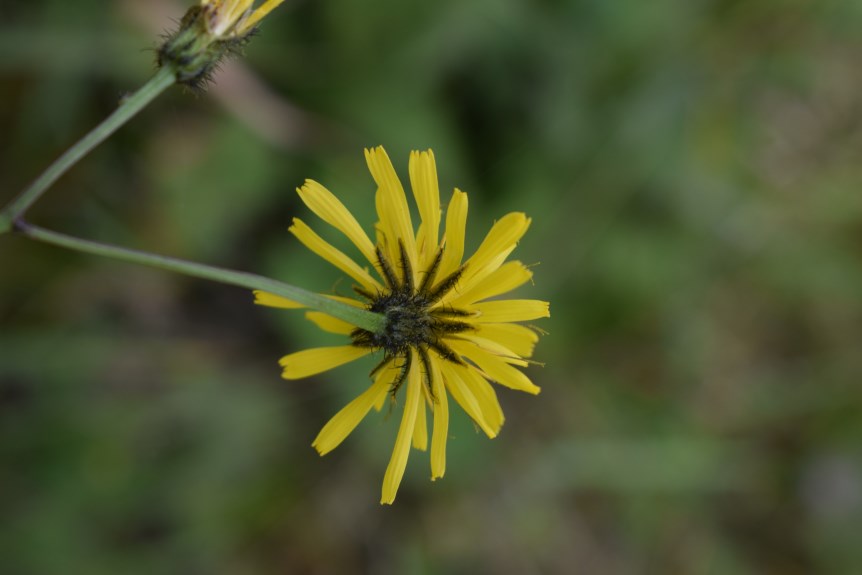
414 326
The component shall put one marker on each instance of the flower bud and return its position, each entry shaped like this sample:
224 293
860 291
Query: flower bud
207 33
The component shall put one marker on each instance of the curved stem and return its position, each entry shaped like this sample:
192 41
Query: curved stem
130 106
355 316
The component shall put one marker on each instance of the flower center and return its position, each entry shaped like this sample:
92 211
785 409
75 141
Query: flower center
414 324
408 322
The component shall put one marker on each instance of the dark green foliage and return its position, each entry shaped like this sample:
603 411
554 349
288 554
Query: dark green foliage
692 171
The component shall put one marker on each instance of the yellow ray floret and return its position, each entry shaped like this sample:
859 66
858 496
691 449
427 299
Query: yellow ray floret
420 430
423 180
392 209
260 13
461 384
317 360
346 420
398 463
509 310
495 368
504 279
236 17
328 323
332 254
439 435
518 338
496 247
456 224
329 209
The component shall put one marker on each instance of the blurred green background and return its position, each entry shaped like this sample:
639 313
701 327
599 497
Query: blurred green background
693 172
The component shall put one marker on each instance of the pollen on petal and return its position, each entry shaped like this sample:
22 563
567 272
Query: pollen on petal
319 359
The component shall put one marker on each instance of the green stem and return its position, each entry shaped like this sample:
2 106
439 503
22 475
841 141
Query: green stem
355 316
130 106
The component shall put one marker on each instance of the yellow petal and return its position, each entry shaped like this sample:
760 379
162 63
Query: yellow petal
319 359
494 367
456 225
440 433
347 300
495 248
420 432
378 405
504 279
507 310
345 421
520 339
227 14
422 246
258 14
423 180
495 348
485 396
385 234
328 323
465 397
330 209
390 372
332 254
392 207
398 463
272 300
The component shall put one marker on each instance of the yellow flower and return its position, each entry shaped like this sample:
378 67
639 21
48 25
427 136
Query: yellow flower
235 18
443 334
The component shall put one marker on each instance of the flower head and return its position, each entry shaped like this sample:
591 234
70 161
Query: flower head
207 33
443 334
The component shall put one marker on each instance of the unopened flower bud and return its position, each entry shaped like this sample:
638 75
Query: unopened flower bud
207 33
